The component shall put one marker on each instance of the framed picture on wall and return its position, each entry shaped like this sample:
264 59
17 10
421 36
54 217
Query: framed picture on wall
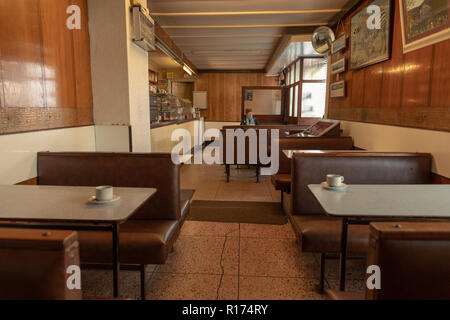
337 89
424 22
338 66
370 42
339 44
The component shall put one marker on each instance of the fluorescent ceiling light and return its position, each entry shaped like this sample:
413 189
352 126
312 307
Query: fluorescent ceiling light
187 69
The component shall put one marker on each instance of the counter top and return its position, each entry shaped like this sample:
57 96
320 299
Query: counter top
170 123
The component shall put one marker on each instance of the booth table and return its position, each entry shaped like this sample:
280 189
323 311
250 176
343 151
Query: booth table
68 208
361 204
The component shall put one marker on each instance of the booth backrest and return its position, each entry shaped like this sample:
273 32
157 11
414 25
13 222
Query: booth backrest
34 264
357 168
414 259
147 170
283 132
325 143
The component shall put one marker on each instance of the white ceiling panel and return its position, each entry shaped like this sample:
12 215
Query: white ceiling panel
237 34
223 41
175 32
241 5
233 47
239 20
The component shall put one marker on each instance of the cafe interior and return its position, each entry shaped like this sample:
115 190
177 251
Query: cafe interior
224 150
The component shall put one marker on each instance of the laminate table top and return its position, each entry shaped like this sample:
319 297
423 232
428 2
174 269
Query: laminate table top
384 201
64 204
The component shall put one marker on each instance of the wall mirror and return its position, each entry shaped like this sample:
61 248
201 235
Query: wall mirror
266 103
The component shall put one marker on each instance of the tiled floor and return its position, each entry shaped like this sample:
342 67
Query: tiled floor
229 260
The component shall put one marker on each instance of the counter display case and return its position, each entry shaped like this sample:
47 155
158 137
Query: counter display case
167 107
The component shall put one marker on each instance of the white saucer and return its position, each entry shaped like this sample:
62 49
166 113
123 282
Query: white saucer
342 187
94 200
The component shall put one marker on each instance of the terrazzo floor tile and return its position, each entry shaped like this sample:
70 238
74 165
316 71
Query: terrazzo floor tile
98 283
350 285
266 231
274 288
171 286
228 288
355 269
203 255
274 257
243 191
205 229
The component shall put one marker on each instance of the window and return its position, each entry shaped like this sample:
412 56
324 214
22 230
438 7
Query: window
291 100
313 100
314 69
288 76
297 71
306 82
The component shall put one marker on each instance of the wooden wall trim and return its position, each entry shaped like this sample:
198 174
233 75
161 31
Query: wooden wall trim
409 90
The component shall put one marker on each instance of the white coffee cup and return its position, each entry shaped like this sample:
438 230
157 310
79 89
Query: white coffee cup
335 180
104 193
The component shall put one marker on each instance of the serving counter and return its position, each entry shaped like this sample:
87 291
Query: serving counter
161 134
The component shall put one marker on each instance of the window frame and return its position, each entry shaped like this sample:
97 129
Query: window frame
291 68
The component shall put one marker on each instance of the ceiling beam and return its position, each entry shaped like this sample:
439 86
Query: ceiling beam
229 36
244 13
317 24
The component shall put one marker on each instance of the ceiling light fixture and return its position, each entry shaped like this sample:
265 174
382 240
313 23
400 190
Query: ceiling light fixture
188 70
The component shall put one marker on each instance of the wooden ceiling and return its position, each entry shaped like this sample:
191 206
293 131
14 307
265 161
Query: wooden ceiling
237 34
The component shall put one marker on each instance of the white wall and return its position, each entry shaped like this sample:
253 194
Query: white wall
112 138
138 87
375 137
18 151
119 75
109 62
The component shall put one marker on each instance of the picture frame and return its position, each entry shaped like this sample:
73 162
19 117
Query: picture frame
339 44
422 27
371 46
337 89
338 66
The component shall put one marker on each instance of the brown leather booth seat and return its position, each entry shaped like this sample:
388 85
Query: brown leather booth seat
319 233
282 180
148 236
329 237
414 261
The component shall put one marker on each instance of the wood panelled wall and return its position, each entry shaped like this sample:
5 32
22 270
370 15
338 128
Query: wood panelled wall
410 90
45 73
225 93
